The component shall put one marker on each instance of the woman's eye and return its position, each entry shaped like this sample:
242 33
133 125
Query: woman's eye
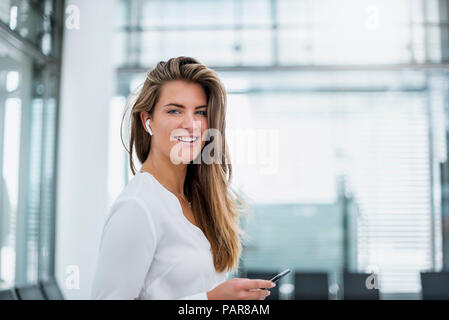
204 113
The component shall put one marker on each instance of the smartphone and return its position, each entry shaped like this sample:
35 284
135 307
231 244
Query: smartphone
278 276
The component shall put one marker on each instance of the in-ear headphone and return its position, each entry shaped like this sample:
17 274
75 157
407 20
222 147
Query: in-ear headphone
147 124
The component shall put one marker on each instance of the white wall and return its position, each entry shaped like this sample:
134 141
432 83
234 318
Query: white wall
88 82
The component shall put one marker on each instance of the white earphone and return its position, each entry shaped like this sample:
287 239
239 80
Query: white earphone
147 124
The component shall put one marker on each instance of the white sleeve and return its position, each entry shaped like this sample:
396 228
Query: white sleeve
203 295
127 248
198 296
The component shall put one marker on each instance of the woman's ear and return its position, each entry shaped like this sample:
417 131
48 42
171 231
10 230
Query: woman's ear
143 115
147 124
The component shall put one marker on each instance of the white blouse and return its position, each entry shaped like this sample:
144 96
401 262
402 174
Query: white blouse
150 250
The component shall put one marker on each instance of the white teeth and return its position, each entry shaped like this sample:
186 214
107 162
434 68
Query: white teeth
187 139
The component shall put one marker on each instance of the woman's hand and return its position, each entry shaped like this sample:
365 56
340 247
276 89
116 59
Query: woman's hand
241 289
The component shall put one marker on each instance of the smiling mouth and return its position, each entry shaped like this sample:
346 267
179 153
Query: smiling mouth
186 139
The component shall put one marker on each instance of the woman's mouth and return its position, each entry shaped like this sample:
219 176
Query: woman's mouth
187 139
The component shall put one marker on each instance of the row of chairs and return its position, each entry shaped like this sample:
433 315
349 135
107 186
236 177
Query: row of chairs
315 285
44 290
307 286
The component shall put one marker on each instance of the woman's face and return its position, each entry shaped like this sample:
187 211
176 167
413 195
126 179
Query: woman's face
179 117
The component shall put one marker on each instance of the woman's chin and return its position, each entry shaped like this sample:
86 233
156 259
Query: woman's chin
185 153
184 158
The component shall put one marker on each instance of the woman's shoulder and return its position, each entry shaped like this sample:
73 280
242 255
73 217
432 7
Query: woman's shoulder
139 186
139 190
132 206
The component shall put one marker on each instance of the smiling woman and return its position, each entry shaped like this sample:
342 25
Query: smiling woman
174 231
178 128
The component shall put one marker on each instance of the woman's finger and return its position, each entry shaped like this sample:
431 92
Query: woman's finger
258 294
258 284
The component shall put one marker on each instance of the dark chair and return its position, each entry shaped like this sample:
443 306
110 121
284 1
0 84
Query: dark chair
435 285
265 275
51 289
354 287
9 294
30 292
311 286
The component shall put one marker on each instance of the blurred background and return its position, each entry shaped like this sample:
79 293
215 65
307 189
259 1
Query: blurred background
349 188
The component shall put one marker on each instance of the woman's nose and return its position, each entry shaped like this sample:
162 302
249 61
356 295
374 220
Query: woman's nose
190 122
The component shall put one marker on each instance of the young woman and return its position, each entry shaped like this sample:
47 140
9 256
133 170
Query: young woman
174 231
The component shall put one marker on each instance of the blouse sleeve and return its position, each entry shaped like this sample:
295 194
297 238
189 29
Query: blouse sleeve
126 251
203 295
127 247
198 296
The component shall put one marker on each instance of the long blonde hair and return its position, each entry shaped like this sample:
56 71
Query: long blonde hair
215 205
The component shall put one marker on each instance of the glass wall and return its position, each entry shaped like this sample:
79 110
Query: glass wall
353 98
30 51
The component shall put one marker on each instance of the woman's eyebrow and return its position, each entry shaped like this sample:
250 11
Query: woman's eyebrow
181 106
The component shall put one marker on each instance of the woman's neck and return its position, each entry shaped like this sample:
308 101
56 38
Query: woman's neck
169 174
